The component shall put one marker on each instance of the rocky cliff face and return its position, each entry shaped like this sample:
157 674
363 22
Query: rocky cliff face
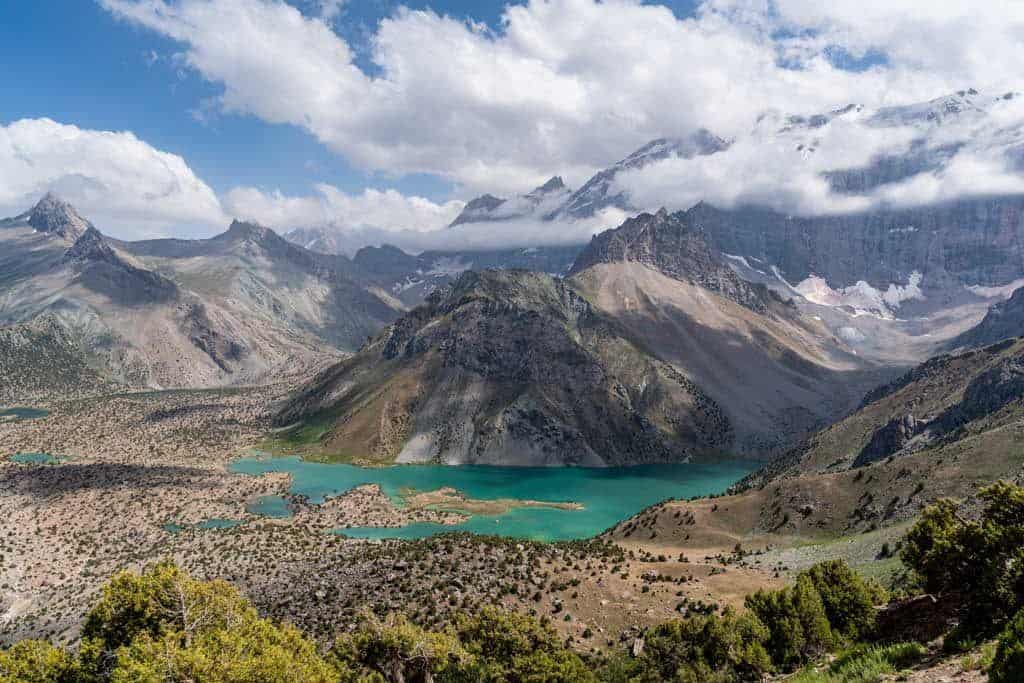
671 244
977 242
509 367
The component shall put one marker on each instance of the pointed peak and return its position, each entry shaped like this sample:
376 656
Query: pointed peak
247 230
55 216
553 184
477 208
90 246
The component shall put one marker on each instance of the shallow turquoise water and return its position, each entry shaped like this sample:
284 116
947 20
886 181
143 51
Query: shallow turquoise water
270 506
37 459
607 494
23 413
218 523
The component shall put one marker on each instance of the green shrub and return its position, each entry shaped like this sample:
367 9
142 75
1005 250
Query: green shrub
252 650
165 625
849 600
163 599
514 647
1008 664
397 649
982 560
491 646
798 629
698 648
34 661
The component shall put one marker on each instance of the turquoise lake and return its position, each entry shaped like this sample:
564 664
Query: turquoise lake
608 495
37 459
22 413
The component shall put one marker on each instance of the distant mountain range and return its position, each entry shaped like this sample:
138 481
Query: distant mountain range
712 330
239 307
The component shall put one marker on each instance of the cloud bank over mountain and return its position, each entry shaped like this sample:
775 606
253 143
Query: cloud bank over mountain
570 84
119 181
386 210
812 99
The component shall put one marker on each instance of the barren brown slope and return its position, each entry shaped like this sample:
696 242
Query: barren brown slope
512 368
967 431
778 374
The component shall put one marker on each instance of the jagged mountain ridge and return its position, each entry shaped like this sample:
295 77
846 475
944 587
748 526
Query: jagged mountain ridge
943 248
447 382
600 192
553 200
229 309
540 200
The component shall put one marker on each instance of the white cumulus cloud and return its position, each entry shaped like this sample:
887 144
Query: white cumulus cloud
386 210
563 85
125 186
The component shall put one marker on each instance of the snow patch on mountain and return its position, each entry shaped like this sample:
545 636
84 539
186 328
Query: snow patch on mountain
862 297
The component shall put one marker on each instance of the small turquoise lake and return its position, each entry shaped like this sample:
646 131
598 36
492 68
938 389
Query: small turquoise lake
22 413
37 459
608 495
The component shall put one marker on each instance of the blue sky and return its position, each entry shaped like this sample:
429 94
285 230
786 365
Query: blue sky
75 63
72 61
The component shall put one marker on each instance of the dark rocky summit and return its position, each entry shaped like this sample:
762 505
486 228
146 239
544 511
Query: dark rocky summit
888 440
55 216
673 245
101 269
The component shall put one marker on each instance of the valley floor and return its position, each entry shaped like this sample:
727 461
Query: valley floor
141 461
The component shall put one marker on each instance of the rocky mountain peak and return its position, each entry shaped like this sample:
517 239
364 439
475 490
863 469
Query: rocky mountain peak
554 184
248 231
91 247
670 243
601 192
55 216
477 208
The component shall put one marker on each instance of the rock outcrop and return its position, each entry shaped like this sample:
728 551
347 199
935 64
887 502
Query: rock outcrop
673 245
888 440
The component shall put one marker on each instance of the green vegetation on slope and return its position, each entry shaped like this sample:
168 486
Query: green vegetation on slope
163 625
